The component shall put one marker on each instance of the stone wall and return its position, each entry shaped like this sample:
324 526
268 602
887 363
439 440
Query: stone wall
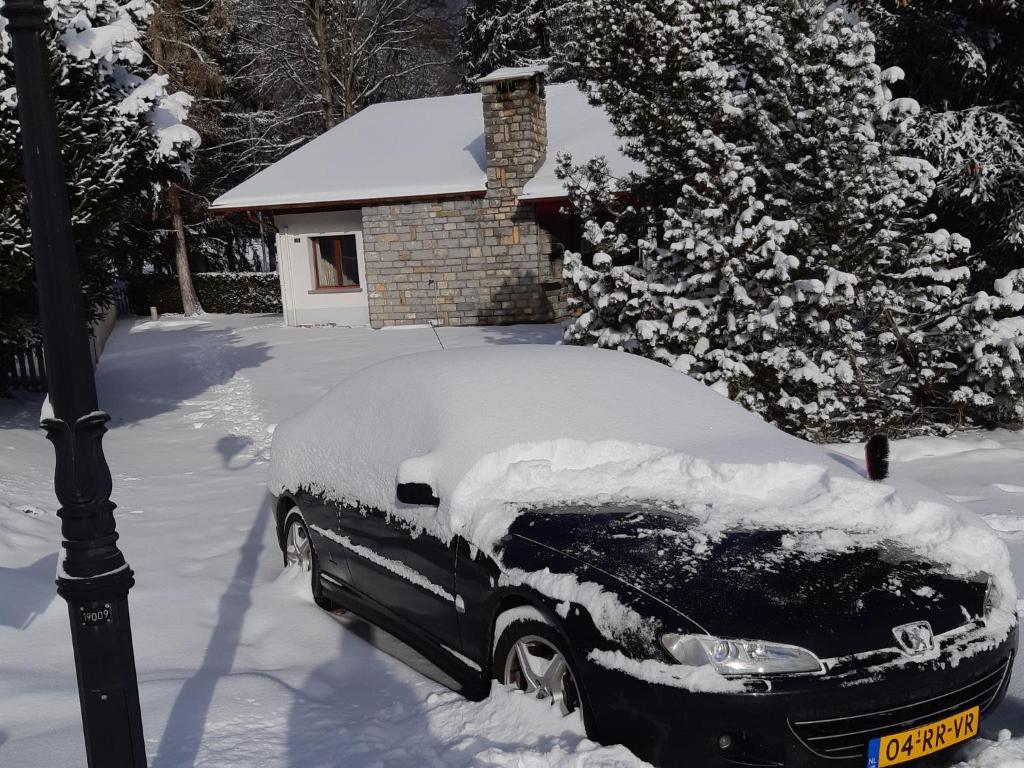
482 260
448 261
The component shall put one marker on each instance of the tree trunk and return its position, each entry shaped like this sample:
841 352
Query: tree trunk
188 293
265 263
348 47
323 42
229 252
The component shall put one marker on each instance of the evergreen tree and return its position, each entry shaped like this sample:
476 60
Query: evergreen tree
121 133
994 366
775 247
515 33
964 63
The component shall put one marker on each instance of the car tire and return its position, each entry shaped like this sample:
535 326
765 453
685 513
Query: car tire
541 643
296 537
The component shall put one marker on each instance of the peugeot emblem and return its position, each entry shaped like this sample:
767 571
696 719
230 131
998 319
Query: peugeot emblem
914 638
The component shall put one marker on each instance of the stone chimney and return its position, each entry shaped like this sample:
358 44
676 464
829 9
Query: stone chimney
515 128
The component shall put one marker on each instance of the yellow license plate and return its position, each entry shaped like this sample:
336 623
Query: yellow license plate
923 740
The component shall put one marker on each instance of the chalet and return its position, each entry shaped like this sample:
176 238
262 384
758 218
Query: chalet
444 210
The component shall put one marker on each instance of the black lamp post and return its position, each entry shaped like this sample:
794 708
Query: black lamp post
94 578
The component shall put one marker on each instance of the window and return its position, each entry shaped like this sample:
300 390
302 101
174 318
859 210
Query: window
337 265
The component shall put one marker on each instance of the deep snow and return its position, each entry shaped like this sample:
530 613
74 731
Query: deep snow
236 668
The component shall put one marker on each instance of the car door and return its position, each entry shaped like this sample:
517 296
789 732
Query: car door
406 571
476 577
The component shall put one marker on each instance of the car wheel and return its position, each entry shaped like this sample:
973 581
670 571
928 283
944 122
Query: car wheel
531 656
300 553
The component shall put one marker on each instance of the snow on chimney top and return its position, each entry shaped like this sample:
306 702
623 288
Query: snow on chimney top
513 73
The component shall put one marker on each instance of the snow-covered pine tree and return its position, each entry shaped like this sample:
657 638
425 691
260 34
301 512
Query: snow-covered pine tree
608 285
514 33
993 391
774 247
964 64
121 132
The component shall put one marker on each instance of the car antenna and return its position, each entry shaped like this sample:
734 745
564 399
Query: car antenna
437 320
433 327
876 456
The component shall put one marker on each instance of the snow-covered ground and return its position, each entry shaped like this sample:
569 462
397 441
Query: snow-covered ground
236 669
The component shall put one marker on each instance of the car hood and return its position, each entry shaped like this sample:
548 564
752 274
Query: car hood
756 584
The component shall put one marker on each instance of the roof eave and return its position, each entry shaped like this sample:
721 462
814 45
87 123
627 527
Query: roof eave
332 205
544 198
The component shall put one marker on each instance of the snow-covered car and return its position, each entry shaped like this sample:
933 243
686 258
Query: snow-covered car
609 535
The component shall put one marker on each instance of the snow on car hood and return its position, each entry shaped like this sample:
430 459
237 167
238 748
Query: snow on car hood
496 429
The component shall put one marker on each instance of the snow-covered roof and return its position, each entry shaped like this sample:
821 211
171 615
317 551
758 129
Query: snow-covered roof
421 148
581 129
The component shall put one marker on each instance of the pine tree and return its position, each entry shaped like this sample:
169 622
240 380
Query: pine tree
121 133
775 248
514 33
964 64
994 380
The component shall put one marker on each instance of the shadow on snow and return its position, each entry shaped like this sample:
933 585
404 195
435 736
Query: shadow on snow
190 711
30 590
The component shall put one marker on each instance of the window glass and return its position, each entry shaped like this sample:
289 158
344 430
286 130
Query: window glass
349 261
327 273
337 265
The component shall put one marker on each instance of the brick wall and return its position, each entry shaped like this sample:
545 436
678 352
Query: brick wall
475 261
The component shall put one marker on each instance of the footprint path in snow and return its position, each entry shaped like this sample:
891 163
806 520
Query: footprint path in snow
229 402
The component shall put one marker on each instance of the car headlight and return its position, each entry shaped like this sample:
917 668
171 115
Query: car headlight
993 597
740 657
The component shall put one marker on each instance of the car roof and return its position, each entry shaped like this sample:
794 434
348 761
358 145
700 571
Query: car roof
429 417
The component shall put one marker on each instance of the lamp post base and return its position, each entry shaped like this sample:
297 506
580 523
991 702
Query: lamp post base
107 682
94 579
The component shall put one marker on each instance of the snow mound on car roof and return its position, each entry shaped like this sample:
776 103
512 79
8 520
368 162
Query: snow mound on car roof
430 417
492 429
436 414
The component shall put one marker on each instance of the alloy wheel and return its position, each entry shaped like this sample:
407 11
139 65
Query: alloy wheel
298 550
537 667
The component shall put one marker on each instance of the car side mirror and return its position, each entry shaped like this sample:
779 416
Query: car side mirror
417 493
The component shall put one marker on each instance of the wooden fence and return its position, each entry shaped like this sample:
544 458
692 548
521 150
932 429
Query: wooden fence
22 368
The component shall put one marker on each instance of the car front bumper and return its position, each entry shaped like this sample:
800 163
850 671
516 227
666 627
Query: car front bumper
796 721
